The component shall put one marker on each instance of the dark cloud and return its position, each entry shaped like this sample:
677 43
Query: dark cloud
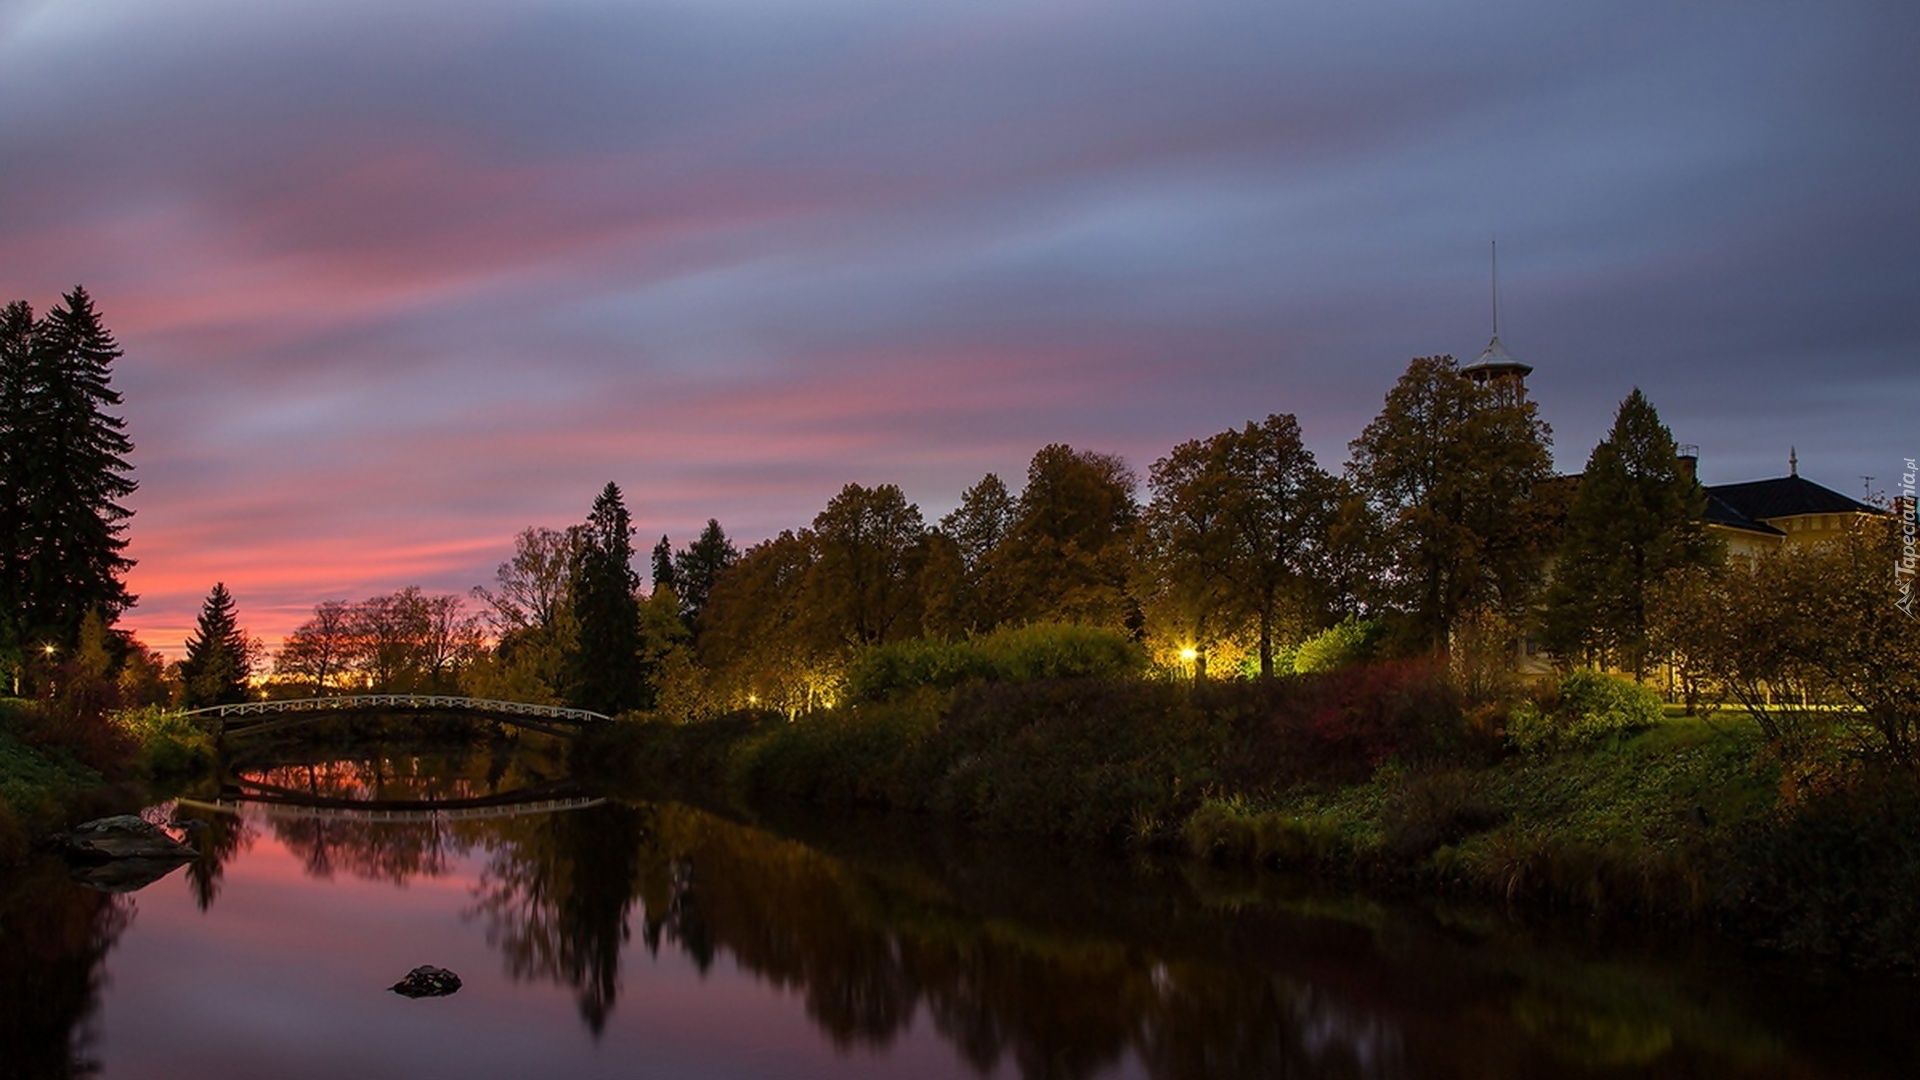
396 279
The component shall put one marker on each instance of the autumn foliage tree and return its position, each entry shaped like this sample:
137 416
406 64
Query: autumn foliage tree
1452 468
1238 535
1788 634
402 642
1067 555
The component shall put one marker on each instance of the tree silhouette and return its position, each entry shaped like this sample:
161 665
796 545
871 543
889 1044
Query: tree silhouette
696 569
219 656
1238 532
1452 469
1068 555
608 674
63 474
1635 517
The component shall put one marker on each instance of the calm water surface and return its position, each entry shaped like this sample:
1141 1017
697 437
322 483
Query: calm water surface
607 938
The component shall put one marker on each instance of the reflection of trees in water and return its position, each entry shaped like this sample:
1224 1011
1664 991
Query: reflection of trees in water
219 838
556 896
867 957
53 939
377 851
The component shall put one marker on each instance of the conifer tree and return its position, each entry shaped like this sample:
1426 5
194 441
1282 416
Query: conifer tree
219 656
1635 517
696 569
608 674
663 575
63 455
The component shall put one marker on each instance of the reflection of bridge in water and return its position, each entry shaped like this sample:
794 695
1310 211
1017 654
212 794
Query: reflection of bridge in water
283 802
249 717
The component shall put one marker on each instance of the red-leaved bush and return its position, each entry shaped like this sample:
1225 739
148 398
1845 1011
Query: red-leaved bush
1338 726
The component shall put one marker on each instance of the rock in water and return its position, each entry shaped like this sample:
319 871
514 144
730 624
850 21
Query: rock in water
427 981
125 836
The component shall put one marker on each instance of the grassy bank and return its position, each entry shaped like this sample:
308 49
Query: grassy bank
1377 774
59 766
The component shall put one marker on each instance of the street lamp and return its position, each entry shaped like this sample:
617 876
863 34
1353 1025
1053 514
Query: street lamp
1190 656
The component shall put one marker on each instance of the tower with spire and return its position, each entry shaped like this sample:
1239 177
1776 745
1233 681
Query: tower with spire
1496 367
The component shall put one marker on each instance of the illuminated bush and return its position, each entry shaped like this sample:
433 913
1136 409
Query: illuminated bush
1023 654
1586 707
1346 643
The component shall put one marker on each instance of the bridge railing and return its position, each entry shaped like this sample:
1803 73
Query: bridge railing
435 702
390 816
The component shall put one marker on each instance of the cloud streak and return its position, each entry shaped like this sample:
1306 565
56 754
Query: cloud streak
396 280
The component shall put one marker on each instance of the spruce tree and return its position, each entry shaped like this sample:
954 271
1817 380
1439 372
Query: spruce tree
608 675
696 569
1635 518
219 657
66 473
16 353
663 575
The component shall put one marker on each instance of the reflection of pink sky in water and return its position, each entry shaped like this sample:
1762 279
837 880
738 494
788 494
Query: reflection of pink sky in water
285 976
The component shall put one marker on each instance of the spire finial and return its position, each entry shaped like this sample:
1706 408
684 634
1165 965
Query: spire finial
1494 243
1793 461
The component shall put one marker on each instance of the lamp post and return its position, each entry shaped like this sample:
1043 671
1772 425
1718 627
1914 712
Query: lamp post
1190 656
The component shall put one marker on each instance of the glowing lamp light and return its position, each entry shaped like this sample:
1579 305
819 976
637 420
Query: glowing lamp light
1189 654
49 648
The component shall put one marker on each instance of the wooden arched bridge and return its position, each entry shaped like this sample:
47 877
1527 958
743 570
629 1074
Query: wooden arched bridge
279 804
247 717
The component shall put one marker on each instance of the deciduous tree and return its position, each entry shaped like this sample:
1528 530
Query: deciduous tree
1238 534
1801 628
862 587
1451 469
962 596
321 651
1068 555
759 643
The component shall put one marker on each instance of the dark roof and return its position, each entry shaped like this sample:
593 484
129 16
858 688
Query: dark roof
1787 496
1719 513
1496 360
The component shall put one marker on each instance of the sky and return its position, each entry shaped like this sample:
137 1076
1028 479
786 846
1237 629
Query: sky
396 279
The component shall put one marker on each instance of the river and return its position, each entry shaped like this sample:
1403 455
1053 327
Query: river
600 937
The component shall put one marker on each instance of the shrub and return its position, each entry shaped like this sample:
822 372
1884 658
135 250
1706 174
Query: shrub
170 744
1337 726
886 670
84 737
1584 708
1839 874
852 754
1020 654
1344 644
1427 811
1099 760
1061 651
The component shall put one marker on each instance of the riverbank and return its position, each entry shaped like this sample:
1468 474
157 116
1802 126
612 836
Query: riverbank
1378 777
58 767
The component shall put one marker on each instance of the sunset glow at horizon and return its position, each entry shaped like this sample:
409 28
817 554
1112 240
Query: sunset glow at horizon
396 281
